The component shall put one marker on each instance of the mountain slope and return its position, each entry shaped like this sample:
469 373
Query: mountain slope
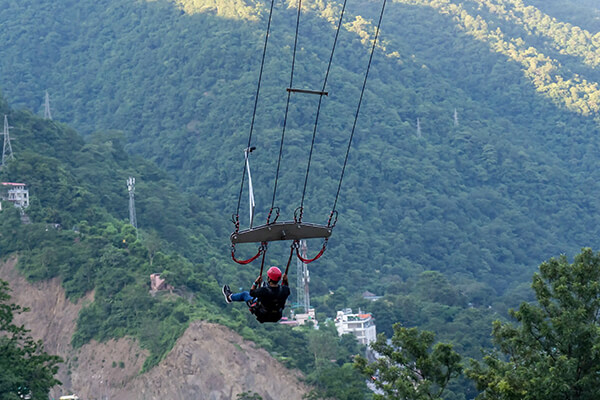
501 174
78 232
75 235
207 361
167 78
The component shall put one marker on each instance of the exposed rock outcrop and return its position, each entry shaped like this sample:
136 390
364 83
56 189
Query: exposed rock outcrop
212 362
208 361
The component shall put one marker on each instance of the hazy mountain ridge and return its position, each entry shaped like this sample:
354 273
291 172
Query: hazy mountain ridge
482 198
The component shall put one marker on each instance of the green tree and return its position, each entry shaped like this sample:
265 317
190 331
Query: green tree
248 396
331 381
26 368
409 367
322 345
554 351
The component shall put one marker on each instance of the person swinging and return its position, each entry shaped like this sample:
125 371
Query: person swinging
266 302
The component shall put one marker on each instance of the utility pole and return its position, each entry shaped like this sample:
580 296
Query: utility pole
303 279
131 189
7 153
47 113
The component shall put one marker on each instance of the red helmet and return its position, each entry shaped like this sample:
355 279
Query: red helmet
274 274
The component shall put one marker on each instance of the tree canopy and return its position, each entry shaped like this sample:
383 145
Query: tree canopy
410 366
177 80
77 231
550 353
27 370
445 224
553 351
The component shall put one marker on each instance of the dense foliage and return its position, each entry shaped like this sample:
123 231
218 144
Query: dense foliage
482 197
446 221
410 366
553 351
77 232
27 370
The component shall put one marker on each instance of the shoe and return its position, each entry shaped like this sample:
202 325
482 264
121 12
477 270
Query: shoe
227 293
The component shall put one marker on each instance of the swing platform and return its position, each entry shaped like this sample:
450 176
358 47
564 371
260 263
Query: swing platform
281 231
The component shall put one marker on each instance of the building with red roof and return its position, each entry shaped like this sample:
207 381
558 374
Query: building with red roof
361 325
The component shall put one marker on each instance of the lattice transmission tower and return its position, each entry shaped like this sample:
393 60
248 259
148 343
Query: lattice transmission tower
7 153
131 189
47 113
302 279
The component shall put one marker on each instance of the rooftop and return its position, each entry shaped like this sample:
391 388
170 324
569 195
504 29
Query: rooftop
12 184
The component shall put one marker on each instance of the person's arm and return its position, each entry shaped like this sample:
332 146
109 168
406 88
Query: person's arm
284 280
255 285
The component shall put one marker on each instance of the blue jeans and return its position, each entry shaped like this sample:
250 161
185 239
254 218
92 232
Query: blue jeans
242 296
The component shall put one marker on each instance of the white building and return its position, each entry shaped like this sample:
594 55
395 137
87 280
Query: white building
303 318
16 194
360 325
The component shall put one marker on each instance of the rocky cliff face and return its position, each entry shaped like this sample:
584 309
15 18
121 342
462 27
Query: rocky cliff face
209 361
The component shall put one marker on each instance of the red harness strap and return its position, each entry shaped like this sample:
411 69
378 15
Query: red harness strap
244 262
261 250
308 261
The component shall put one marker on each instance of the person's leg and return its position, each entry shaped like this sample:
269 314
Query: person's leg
226 292
242 296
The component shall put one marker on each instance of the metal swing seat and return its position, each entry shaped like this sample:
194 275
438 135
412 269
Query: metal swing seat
290 230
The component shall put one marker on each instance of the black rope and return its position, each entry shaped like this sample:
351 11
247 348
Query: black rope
287 106
262 264
358 107
319 106
262 64
293 247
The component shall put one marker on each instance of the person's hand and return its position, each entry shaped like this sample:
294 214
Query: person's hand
258 281
284 280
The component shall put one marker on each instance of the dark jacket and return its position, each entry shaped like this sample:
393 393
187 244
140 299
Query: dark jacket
271 301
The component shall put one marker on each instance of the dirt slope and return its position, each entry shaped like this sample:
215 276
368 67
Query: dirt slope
209 361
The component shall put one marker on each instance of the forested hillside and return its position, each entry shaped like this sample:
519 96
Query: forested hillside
76 230
475 155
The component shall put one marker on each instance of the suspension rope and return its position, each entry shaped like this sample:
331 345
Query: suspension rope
262 264
337 32
298 214
292 247
359 104
287 106
262 64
